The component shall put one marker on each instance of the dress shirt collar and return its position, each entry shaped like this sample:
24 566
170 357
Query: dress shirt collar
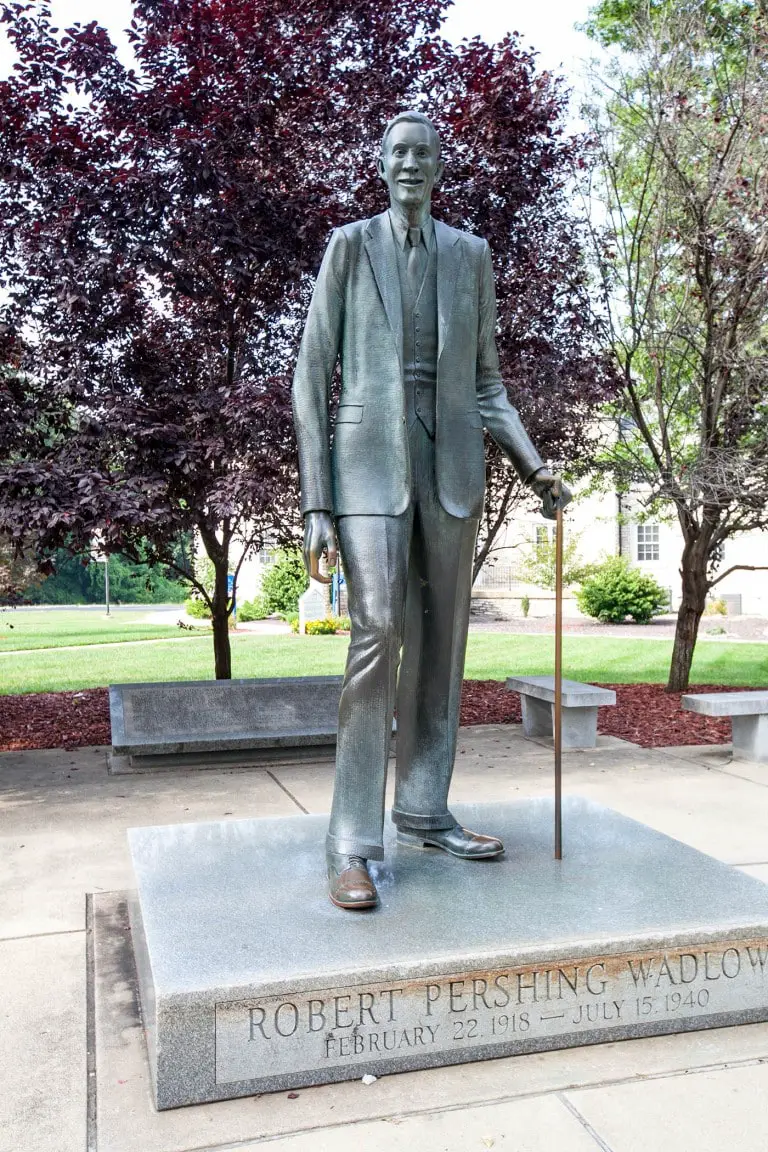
400 231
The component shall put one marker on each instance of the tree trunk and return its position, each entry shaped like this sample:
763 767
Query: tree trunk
695 588
222 651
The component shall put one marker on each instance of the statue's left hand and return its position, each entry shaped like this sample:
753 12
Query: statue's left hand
319 538
553 492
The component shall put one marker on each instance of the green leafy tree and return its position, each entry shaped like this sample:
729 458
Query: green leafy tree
538 566
615 590
625 23
79 580
679 126
284 582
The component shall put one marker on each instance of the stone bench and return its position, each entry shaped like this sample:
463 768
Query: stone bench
208 723
749 719
580 704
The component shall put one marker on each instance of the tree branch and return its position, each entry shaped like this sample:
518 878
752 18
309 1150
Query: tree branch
739 568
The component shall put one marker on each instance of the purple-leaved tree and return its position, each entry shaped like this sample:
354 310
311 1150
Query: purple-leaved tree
159 229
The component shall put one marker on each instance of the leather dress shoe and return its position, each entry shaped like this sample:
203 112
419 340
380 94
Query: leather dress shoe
457 840
349 882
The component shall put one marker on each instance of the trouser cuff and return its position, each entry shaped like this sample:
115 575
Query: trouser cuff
405 820
349 847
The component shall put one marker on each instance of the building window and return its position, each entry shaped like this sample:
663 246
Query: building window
647 542
544 534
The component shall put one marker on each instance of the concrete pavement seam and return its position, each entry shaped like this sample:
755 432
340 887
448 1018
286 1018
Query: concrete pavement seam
91 1115
721 768
287 792
618 1082
584 1123
735 775
41 935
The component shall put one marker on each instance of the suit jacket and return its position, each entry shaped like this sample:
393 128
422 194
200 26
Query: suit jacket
356 313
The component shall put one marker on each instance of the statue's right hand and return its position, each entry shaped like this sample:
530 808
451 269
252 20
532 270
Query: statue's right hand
319 538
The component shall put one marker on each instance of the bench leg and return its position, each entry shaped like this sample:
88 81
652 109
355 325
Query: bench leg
537 717
579 724
750 738
579 727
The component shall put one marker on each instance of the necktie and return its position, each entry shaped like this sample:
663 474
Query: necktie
416 260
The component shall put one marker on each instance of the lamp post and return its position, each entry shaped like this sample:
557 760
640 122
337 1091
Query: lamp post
102 557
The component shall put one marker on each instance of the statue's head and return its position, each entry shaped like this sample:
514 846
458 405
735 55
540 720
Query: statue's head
410 162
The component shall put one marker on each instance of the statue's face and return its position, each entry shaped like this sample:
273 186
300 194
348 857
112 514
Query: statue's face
410 164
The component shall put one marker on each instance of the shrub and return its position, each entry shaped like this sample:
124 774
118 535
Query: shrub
716 608
328 626
284 582
616 590
525 605
252 610
197 608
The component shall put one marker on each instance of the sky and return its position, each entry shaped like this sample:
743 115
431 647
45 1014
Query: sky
546 25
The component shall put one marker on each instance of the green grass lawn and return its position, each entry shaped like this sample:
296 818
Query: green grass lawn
491 655
57 628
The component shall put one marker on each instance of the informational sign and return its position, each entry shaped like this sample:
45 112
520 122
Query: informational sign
230 593
313 605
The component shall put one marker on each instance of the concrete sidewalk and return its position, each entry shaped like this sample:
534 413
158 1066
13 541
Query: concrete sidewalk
63 835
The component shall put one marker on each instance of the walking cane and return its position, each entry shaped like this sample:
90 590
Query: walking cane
558 725
552 510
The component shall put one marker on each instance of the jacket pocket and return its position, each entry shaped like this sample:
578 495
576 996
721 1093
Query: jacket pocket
349 414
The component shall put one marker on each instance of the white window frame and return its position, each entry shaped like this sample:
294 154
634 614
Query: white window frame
543 534
647 545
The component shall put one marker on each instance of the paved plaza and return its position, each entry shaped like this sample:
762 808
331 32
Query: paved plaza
72 1060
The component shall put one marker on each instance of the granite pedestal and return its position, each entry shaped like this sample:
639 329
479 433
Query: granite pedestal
749 719
210 723
251 981
579 716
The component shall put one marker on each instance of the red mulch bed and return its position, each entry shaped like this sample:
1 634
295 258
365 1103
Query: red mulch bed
652 718
54 720
644 714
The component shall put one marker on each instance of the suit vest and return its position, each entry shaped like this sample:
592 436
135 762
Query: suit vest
419 341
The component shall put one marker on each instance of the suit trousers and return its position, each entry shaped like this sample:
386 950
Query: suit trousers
409 580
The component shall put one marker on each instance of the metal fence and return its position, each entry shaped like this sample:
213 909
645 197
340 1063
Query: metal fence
497 577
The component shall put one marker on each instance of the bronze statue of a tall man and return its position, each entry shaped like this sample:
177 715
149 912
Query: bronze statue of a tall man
409 305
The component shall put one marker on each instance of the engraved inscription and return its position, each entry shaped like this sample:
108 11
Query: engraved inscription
326 1027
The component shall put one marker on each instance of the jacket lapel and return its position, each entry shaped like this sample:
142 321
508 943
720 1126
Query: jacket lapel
380 247
449 256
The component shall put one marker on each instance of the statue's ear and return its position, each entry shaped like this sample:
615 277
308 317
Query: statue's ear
439 172
380 168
